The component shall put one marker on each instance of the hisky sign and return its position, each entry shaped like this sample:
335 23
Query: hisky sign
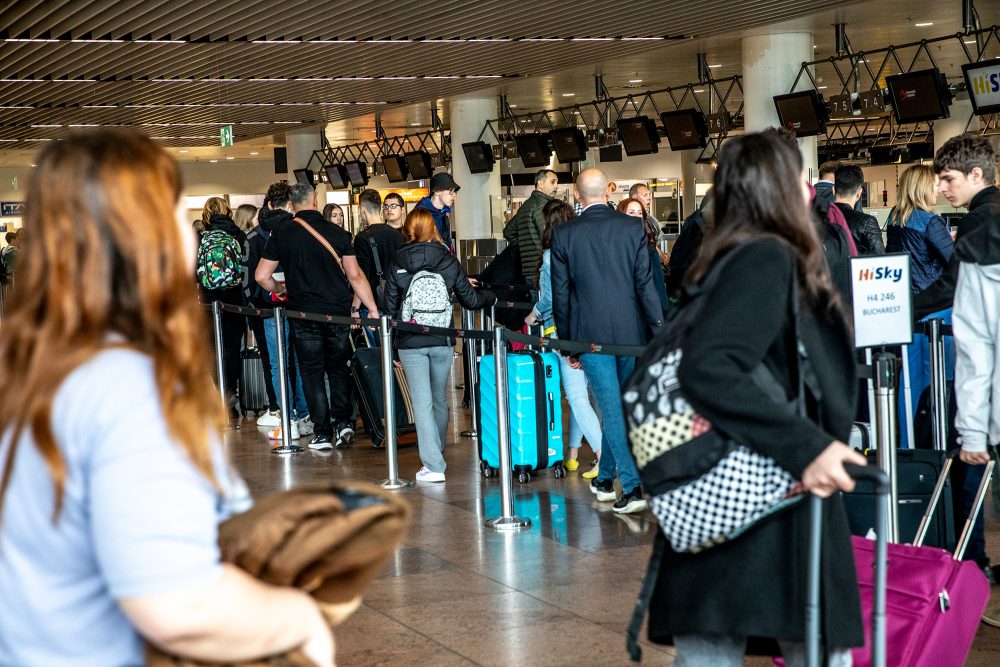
883 313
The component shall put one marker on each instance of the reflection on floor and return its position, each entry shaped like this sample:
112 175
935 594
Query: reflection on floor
560 593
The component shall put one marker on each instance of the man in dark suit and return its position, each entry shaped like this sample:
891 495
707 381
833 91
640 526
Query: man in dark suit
602 292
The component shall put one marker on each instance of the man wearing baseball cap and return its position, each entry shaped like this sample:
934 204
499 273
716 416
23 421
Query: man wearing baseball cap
439 203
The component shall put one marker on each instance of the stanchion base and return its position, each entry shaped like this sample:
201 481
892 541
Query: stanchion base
290 449
396 484
471 433
508 523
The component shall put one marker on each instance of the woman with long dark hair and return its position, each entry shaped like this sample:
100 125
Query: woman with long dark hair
748 594
635 208
112 475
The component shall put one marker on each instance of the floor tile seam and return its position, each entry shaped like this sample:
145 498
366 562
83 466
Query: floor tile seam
424 635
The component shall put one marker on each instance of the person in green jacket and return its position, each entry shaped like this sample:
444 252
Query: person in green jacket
525 228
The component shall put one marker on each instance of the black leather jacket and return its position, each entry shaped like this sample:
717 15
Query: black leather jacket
865 230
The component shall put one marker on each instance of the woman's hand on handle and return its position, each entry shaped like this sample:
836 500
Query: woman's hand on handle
826 475
318 647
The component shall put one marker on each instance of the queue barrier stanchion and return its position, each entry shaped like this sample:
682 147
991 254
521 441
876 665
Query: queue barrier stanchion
938 394
286 446
472 381
392 482
886 431
506 521
220 364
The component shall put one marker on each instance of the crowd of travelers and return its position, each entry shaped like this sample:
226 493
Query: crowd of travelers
119 534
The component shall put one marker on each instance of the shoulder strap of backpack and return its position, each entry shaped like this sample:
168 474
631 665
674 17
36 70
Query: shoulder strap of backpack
319 237
375 258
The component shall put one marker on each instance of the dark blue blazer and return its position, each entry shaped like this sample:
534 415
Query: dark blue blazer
602 287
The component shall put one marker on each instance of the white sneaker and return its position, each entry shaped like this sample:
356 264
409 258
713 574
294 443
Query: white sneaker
276 433
425 475
269 418
305 425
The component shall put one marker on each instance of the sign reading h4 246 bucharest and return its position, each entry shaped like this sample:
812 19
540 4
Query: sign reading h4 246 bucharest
883 311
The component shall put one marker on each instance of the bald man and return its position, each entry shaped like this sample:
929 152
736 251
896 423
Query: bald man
603 292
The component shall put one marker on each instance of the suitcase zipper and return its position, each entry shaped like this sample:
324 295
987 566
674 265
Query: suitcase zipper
943 600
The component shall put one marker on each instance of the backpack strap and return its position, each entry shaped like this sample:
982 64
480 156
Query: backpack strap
375 258
319 237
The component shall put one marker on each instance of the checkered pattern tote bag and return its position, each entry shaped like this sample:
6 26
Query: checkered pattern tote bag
704 487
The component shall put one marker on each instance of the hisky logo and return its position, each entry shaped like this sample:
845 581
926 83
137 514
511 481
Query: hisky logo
907 94
988 82
881 273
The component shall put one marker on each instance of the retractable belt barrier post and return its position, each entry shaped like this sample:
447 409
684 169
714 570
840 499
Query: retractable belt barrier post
471 382
886 430
506 521
392 482
286 409
220 364
938 393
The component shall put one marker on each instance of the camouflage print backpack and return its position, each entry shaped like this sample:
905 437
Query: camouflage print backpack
219 257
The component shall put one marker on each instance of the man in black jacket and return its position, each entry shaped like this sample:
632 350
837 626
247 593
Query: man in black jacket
376 245
603 292
966 169
848 183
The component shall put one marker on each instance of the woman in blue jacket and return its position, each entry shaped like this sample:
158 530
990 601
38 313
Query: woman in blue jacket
916 229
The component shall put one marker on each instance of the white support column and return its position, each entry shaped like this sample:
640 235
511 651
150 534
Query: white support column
467 117
301 144
770 65
946 128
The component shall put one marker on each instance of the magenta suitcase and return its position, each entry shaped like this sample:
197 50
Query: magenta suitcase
934 601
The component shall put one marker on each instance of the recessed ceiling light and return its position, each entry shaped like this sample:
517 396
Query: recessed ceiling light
339 138
512 106
254 153
568 94
182 151
213 160
923 25
714 66
968 41
635 80
230 157
820 87
699 90
414 124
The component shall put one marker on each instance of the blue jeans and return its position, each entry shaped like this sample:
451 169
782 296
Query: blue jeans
427 371
583 421
300 409
324 356
606 375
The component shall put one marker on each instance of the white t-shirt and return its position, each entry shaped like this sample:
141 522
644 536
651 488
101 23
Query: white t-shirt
137 519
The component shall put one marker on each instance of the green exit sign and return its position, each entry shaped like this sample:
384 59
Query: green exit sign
226 135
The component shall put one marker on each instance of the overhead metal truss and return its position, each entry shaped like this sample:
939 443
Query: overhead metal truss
435 142
865 71
598 117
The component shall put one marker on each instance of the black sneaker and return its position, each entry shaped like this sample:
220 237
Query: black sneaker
630 503
345 435
321 442
604 490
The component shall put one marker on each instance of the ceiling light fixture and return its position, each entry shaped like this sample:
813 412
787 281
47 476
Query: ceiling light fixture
230 157
714 66
568 94
635 80
926 24
254 153
183 150
213 160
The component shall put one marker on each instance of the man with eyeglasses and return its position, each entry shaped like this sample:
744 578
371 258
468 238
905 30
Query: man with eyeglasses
376 245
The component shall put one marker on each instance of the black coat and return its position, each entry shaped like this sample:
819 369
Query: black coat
941 293
865 231
755 585
415 257
602 287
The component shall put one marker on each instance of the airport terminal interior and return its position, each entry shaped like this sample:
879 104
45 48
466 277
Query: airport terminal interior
346 96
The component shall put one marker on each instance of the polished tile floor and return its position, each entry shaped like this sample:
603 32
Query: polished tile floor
455 593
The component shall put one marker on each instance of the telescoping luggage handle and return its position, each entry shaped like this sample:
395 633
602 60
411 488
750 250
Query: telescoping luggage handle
813 632
977 505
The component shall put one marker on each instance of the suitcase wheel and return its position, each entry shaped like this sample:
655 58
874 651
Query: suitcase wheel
558 471
523 477
489 472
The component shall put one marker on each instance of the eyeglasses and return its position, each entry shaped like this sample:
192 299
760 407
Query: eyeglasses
391 207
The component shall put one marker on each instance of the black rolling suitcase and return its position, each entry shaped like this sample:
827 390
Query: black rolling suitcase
253 394
366 382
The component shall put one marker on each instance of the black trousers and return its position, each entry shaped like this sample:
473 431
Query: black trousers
324 352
